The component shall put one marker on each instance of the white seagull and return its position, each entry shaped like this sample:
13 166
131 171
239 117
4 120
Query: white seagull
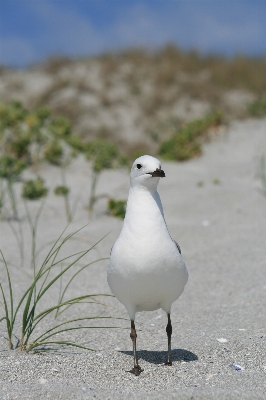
146 270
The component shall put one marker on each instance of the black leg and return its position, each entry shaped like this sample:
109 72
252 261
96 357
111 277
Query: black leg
169 333
136 370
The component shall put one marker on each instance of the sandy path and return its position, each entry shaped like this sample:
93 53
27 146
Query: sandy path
221 227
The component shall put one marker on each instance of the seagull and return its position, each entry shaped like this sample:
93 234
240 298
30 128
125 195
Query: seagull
146 270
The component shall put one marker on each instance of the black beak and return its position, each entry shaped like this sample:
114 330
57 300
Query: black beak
159 173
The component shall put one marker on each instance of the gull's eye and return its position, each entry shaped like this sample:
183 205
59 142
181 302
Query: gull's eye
139 166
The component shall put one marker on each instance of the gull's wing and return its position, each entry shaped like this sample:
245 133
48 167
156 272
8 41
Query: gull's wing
177 245
111 250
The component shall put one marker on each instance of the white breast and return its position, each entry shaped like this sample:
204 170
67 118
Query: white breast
146 270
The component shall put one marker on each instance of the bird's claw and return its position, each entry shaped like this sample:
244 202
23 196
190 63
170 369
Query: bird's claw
168 363
136 370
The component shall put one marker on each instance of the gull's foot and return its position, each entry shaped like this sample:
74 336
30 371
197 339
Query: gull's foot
136 370
168 363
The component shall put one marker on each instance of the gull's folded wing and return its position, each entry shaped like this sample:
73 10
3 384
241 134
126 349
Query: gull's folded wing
111 250
177 245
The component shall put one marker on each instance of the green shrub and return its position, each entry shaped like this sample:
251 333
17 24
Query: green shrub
102 154
186 142
61 190
34 189
34 136
29 138
117 208
12 114
43 113
258 108
54 152
11 167
60 127
75 142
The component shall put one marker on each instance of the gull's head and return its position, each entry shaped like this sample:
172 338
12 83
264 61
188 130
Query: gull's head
146 171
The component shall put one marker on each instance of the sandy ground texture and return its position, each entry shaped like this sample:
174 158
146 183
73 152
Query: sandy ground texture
215 211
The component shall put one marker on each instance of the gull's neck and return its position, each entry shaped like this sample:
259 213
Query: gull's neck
144 210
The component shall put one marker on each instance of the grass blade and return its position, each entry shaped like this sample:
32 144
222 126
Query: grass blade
73 277
9 325
75 328
35 321
76 320
34 345
28 316
19 239
9 286
40 294
72 301
50 253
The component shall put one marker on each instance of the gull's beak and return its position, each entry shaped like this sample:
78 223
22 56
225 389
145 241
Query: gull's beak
159 173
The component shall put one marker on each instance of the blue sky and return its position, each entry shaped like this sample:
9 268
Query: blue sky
32 30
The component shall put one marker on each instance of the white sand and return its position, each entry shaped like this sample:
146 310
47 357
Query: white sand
221 229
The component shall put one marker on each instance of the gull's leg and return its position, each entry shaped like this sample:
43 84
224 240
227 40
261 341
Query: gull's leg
169 333
136 370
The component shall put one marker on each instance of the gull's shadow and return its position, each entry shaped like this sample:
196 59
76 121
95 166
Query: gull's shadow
159 357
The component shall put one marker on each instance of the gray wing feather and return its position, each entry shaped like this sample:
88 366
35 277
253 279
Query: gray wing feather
111 250
177 245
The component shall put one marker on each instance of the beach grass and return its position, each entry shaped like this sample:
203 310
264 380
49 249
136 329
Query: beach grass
27 310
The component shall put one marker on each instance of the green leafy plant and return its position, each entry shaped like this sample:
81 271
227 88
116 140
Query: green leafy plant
19 129
186 142
32 299
54 152
28 138
33 189
62 190
117 208
23 132
61 127
60 152
76 142
10 170
258 108
103 155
